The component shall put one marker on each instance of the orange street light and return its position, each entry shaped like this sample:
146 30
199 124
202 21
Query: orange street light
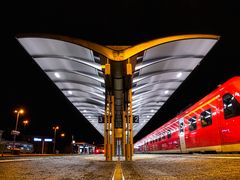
62 135
18 112
25 122
55 128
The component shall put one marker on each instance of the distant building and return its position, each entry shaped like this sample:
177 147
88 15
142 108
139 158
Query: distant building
83 148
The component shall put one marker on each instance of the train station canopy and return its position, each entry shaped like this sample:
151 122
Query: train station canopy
160 67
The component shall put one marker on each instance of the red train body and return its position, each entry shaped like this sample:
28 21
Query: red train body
211 124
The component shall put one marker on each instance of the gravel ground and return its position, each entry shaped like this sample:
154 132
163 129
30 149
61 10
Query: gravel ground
186 167
143 167
58 168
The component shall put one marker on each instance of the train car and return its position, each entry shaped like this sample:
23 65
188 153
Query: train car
210 125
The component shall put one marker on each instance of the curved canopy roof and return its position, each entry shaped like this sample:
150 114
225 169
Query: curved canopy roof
160 69
75 70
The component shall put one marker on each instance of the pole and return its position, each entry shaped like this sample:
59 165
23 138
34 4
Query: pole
72 144
14 136
54 143
17 121
42 145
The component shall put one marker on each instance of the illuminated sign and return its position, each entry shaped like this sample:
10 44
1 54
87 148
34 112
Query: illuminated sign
37 139
40 139
48 140
13 132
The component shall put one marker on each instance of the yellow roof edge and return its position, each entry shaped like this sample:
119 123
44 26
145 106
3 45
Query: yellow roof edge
105 51
121 54
149 44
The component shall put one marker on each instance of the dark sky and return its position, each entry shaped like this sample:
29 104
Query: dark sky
109 23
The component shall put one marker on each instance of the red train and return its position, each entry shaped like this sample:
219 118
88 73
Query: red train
210 125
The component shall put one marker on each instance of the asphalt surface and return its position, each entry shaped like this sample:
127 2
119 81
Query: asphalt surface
56 167
143 167
183 167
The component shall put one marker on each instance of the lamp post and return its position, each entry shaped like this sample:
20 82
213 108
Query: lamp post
18 112
25 122
55 128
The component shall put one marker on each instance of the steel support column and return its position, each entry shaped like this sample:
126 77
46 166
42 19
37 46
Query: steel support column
112 126
129 117
108 130
124 133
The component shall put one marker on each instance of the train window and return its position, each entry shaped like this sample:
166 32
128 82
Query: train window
206 118
181 127
192 123
231 106
169 134
163 136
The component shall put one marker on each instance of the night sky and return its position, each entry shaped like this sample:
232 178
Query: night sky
23 83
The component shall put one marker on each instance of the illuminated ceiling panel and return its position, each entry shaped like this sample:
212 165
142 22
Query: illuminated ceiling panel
160 71
75 71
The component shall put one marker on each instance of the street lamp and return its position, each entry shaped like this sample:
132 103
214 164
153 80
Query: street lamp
25 122
15 132
62 135
55 128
